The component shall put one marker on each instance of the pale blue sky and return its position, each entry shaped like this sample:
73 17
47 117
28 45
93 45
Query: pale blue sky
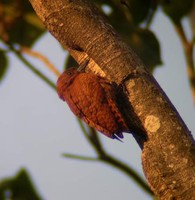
37 127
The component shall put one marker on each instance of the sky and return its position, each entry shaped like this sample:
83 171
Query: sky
37 127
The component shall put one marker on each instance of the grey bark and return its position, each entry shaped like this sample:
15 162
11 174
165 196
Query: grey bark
168 149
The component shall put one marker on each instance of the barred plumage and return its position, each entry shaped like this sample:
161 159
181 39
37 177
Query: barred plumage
93 99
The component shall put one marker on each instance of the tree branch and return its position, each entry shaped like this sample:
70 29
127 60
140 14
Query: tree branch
168 155
188 51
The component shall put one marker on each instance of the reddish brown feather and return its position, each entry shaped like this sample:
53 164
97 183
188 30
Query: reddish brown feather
93 99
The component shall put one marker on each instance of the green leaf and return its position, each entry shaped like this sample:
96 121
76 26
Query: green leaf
70 62
3 64
133 11
176 9
192 21
139 9
19 187
22 25
146 45
24 33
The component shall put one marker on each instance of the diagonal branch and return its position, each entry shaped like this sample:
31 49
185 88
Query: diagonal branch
168 154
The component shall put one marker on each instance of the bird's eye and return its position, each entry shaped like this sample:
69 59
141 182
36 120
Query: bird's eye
69 73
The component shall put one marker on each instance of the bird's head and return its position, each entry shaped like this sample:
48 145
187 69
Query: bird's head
65 80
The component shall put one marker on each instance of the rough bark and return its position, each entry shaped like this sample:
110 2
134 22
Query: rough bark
168 152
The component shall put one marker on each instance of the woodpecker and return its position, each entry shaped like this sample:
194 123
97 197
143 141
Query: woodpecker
93 99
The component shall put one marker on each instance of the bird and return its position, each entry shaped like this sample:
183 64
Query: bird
92 98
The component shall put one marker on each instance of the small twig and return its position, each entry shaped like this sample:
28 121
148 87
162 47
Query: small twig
30 66
92 137
42 58
72 156
151 14
110 160
83 128
128 171
103 156
188 51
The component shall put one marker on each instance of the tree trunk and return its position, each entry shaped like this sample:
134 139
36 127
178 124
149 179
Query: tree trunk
168 149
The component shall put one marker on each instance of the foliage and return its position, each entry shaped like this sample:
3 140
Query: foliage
4 64
18 187
20 25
